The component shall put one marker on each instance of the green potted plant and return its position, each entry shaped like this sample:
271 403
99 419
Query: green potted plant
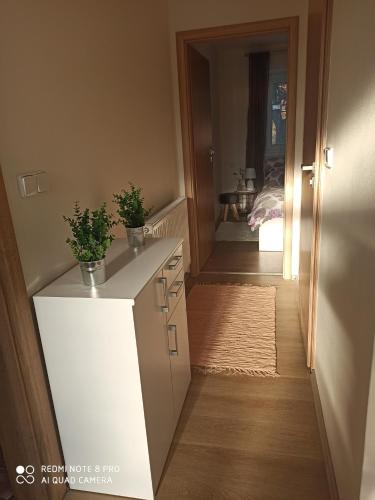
91 239
132 213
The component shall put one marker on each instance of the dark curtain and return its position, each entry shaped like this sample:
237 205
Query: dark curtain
257 114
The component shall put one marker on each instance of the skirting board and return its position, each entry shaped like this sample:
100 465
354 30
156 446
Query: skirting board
324 440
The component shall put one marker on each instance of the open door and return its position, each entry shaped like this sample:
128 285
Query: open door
201 128
314 137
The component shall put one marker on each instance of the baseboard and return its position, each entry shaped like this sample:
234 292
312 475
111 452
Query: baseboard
324 440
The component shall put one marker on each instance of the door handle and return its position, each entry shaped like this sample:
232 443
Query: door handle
308 168
165 307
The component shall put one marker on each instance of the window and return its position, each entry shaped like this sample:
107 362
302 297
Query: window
279 112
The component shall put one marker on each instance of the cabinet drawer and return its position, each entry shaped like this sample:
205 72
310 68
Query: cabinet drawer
173 267
175 292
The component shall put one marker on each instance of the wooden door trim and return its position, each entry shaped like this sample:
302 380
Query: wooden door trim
28 433
317 201
183 39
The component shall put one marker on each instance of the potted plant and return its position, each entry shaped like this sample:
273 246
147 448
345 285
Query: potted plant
132 213
91 239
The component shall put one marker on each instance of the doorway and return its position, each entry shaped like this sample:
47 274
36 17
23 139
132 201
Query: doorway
223 218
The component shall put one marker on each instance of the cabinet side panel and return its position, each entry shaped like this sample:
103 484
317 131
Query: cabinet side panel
91 356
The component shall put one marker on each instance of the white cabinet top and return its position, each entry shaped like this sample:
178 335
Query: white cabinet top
128 271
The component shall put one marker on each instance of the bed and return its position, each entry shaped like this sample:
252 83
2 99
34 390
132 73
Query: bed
267 214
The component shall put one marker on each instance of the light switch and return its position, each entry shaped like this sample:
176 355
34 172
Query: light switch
42 182
32 183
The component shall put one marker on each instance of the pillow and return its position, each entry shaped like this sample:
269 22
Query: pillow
274 173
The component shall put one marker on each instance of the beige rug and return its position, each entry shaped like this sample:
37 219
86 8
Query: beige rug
232 329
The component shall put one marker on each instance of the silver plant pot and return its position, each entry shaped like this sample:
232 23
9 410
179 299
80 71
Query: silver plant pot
136 236
93 273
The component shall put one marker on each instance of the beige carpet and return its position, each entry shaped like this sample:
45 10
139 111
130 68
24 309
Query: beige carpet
232 329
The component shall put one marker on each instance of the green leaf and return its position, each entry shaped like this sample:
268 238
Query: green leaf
91 233
130 207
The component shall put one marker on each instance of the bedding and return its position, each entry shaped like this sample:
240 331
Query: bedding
274 171
268 205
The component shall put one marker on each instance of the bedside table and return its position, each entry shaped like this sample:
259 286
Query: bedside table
246 201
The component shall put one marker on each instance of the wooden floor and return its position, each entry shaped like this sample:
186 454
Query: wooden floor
243 257
248 438
251 438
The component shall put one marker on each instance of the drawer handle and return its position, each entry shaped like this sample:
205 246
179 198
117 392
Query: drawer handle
163 282
174 262
176 293
164 308
172 338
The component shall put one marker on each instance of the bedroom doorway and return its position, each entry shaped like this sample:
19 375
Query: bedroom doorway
239 165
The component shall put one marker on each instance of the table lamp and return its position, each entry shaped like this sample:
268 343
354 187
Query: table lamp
249 176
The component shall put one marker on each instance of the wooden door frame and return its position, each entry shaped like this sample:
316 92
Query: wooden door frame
183 39
28 434
321 143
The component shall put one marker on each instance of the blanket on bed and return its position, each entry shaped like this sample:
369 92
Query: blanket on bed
269 204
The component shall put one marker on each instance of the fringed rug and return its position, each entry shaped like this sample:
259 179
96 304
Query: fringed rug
232 329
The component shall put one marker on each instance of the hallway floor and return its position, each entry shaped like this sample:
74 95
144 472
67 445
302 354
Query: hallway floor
235 231
243 257
252 438
249 438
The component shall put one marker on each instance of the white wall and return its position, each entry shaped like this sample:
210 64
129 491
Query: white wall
232 85
85 94
346 312
193 14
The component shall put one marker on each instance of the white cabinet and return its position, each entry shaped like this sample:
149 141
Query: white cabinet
117 358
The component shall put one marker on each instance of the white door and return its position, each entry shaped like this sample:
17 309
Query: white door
313 144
